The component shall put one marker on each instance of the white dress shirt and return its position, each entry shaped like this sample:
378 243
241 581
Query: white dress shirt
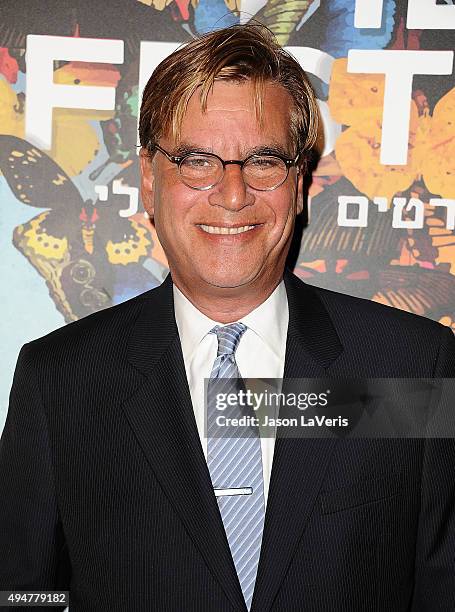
260 354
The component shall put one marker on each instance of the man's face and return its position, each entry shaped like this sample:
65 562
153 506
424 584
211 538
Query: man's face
210 261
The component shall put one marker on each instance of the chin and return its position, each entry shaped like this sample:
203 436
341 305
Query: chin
228 279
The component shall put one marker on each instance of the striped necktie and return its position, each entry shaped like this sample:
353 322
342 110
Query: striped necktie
236 463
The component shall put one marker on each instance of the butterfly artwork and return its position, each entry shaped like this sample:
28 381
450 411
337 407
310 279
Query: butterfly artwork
362 248
426 292
90 256
283 18
370 262
356 101
412 269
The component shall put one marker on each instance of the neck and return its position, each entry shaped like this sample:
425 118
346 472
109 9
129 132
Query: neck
227 304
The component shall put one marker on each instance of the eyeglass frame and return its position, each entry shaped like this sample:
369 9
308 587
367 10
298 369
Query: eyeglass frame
178 159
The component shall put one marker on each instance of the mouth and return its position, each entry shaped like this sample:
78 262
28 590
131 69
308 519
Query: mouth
226 230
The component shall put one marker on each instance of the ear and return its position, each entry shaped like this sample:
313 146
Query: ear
147 182
300 187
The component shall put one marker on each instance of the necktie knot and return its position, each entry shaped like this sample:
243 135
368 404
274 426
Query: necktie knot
228 337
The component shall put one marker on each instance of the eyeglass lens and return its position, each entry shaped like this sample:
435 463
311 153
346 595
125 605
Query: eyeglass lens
262 172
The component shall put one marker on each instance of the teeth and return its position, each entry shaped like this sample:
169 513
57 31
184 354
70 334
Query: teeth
211 229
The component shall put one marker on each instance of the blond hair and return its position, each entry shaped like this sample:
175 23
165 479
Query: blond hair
237 53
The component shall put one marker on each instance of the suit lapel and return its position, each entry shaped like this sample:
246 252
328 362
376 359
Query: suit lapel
298 465
162 417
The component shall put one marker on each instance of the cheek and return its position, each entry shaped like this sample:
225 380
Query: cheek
284 210
171 203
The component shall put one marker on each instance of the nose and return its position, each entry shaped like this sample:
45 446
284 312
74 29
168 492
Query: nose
231 192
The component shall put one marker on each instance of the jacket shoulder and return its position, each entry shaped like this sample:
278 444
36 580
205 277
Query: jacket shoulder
379 340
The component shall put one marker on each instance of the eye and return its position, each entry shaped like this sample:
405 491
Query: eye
199 162
196 161
264 163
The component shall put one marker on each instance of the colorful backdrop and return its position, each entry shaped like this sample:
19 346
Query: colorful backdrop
75 239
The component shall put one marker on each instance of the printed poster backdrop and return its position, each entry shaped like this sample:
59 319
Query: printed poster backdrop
75 238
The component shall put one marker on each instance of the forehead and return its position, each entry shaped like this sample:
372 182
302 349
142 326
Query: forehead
231 116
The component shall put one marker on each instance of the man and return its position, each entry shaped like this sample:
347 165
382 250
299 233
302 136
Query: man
110 487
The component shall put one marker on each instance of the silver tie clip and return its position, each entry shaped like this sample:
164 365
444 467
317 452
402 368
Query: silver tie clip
240 491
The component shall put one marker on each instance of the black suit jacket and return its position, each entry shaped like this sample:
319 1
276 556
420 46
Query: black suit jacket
105 490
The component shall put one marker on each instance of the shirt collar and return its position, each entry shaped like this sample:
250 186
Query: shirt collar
192 324
269 321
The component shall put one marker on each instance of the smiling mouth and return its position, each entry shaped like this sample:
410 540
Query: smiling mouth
213 229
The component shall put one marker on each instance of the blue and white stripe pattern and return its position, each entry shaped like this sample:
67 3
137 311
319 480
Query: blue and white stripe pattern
236 463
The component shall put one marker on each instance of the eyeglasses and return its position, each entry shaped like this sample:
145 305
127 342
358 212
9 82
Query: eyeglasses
205 170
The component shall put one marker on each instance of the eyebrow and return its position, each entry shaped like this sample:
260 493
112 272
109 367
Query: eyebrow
186 147
273 148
